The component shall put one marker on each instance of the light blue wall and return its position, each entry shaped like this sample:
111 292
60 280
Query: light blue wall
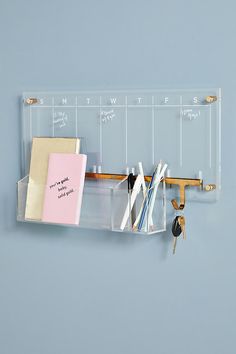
74 291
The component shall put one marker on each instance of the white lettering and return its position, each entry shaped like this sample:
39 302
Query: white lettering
113 100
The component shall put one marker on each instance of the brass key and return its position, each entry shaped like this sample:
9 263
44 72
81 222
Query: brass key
182 224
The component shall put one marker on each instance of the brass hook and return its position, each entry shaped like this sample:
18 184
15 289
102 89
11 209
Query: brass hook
182 183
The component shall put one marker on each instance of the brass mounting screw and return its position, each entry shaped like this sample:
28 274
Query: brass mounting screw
31 100
211 99
210 187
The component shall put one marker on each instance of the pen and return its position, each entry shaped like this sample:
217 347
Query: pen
132 212
158 177
146 201
135 192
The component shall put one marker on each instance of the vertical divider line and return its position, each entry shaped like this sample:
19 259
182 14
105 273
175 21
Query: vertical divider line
53 115
153 135
219 137
31 137
76 116
126 130
31 132
23 141
181 132
210 137
100 130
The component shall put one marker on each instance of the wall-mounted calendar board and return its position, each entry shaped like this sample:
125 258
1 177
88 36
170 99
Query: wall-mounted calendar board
120 128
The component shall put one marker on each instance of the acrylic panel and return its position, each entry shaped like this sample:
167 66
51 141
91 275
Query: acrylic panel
120 128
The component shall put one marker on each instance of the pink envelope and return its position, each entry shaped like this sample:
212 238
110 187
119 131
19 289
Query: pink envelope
64 188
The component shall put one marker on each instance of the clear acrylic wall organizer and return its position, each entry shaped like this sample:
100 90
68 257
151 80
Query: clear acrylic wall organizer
120 128
103 207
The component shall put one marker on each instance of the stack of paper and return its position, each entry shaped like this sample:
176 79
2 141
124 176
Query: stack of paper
41 148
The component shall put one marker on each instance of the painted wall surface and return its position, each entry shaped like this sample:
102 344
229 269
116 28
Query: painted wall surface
75 291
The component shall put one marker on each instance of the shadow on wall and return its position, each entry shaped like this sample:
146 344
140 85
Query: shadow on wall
78 236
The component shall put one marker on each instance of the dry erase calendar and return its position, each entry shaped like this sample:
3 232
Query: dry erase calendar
120 128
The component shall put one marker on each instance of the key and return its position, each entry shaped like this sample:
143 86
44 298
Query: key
176 228
174 244
182 224
176 231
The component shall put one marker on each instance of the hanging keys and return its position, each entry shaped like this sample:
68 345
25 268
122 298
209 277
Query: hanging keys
176 231
176 228
182 225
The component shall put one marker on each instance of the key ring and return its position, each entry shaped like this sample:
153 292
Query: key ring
179 213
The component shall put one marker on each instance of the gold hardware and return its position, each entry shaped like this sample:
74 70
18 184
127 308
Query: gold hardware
182 224
182 183
211 99
210 187
104 176
31 100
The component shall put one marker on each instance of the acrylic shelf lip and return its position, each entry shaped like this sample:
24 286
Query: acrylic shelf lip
103 206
